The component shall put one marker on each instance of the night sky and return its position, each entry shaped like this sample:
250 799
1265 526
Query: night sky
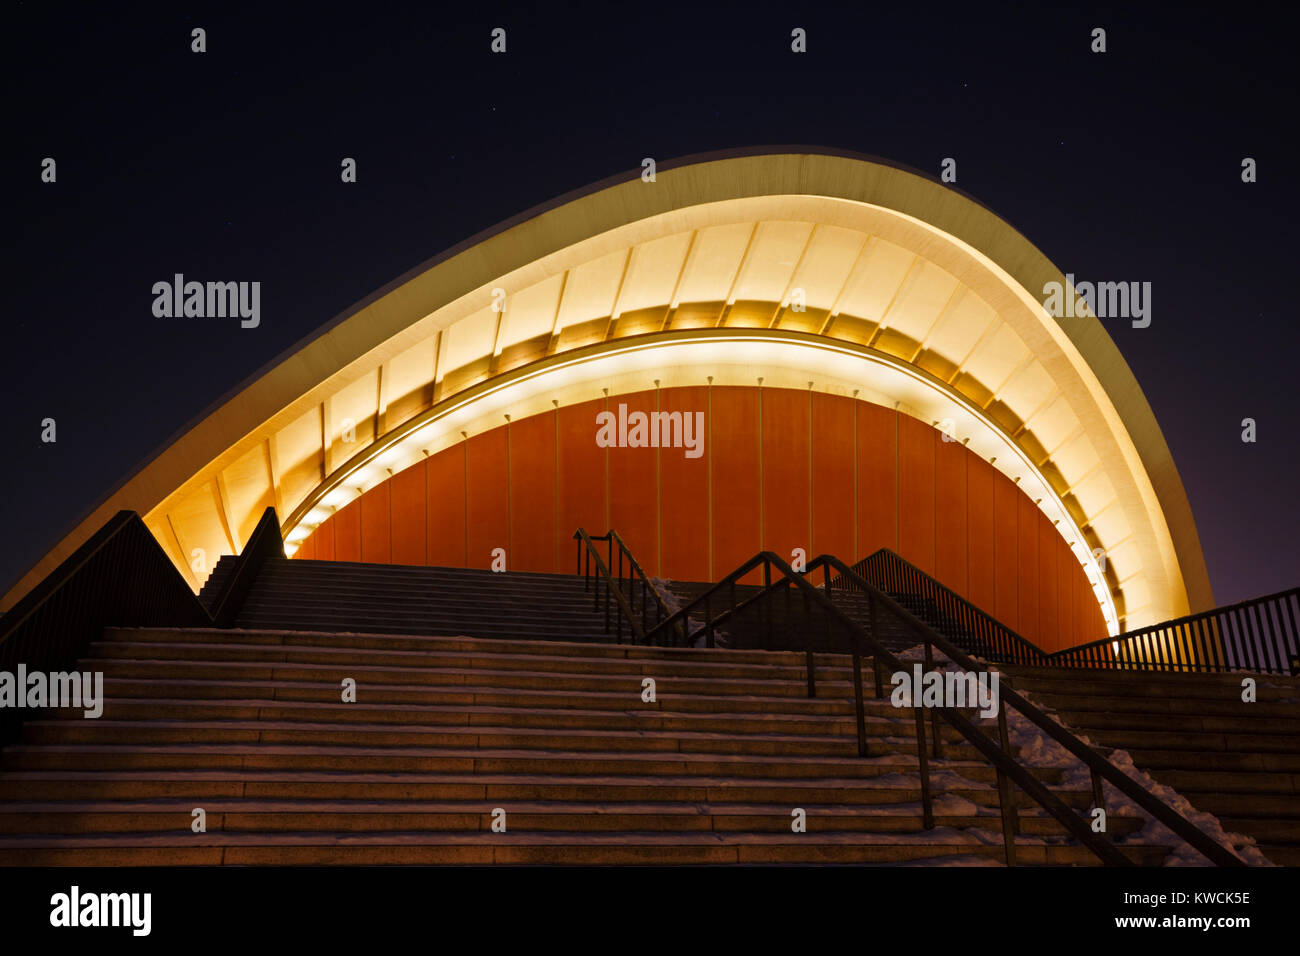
225 165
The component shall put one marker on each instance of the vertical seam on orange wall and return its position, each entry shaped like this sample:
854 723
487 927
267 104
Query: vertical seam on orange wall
555 527
426 511
857 555
510 519
465 458
934 497
762 502
965 494
810 471
606 482
1020 625
659 545
898 482
708 402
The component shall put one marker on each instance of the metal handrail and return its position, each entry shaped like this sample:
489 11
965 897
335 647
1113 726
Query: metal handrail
121 577
636 579
587 548
1258 634
1098 765
263 544
1009 770
985 636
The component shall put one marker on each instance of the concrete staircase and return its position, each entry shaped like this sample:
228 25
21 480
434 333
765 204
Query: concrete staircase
400 599
1239 761
249 725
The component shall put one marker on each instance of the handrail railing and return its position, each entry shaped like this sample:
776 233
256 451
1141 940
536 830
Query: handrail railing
120 576
265 542
1008 768
977 632
1259 634
1099 767
613 588
1255 635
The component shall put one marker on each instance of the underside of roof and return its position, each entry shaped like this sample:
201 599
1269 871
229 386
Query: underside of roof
804 268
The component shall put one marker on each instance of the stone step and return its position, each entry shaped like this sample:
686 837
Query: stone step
1203 761
52 785
135 709
1083 705
479 646
1192 782
225 671
121 649
252 756
468 694
244 815
1242 723
1205 742
532 848
388 735
1245 806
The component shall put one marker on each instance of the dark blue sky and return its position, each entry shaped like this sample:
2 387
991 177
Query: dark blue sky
1122 166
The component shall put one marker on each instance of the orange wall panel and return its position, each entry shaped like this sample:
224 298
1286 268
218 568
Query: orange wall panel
733 436
377 524
786 486
347 531
833 486
534 538
1006 538
877 456
487 496
323 538
684 496
980 563
1067 569
633 485
916 503
1049 623
878 479
410 514
1027 569
950 523
445 542
581 485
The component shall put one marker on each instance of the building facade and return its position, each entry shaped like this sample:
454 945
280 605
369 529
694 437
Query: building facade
860 356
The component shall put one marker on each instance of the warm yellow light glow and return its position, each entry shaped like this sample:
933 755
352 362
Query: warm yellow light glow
730 358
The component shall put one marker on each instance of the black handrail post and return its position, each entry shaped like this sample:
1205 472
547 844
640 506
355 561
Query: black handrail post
1006 793
923 761
708 625
934 714
874 614
809 665
859 704
767 586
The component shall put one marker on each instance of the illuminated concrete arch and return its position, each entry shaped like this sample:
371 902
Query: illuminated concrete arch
807 268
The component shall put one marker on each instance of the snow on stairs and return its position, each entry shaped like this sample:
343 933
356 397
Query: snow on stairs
249 726
1193 732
